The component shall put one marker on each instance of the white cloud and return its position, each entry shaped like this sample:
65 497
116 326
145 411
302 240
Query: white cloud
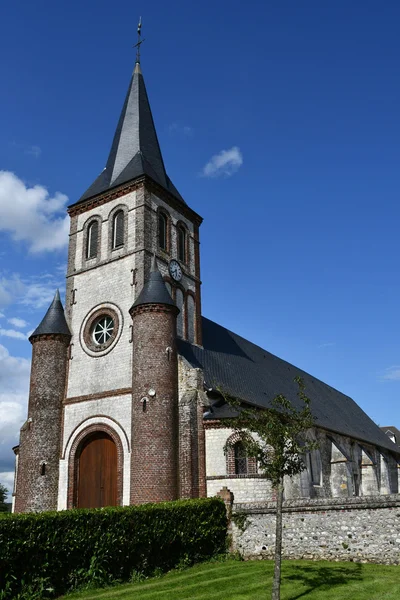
225 163
35 151
31 215
391 374
10 288
14 387
30 149
177 128
326 345
35 292
11 333
17 322
1 315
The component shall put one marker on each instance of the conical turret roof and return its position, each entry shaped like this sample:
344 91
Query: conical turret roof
135 150
54 320
154 290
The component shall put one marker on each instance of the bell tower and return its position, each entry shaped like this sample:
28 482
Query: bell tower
131 213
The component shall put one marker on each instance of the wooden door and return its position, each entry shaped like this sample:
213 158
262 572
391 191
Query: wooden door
97 472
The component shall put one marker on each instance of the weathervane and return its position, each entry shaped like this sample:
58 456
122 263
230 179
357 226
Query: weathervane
140 41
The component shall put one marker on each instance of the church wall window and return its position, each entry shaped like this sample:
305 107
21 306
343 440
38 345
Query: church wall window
191 317
314 466
118 229
240 459
179 299
101 329
163 230
238 463
92 240
182 242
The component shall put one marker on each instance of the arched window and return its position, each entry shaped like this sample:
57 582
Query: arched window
181 243
179 301
240 459
191 318
118 229
92 240
162 231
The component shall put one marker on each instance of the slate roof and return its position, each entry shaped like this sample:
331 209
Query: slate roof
154 290
54 320
393 431
135 150
256 376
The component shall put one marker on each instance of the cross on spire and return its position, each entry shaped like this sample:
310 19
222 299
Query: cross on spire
140 41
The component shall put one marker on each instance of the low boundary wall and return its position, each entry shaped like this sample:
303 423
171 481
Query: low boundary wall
359 529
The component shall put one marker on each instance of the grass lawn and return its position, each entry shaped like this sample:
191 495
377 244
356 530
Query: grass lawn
235 580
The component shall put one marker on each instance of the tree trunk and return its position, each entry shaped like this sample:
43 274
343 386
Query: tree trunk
276 584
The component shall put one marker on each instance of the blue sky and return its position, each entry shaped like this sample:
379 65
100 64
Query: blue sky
298 103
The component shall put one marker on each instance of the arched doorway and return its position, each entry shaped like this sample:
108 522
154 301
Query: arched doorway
97 472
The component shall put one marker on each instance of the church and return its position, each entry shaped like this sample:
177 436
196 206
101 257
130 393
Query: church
124 405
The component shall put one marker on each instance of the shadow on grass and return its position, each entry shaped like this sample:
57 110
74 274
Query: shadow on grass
319 577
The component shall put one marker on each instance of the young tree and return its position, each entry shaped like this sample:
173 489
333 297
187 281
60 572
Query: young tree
277 438
3 496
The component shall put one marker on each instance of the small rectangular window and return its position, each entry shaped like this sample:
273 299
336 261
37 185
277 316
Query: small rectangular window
162 231
92 240
118 229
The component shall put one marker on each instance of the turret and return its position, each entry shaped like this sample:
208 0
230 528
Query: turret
154 468
40 438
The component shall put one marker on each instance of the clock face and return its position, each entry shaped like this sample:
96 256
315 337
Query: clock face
175 270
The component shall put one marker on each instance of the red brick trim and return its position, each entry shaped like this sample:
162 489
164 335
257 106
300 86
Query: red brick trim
74 461
105 197
161 308
230 458
44 337
253 476
98 395
98 416
130 187
214 424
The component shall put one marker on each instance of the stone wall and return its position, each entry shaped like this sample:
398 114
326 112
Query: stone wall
361 529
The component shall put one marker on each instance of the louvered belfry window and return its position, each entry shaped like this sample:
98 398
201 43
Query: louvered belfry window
181 243
118 230
92 240
240 459
162 231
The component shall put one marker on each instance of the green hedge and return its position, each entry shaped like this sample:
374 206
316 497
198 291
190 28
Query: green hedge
47 554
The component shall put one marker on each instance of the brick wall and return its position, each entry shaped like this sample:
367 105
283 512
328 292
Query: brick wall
154 471
39 452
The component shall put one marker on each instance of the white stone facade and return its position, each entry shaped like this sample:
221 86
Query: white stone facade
250 488
114 412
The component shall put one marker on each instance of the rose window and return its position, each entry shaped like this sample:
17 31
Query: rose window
103 330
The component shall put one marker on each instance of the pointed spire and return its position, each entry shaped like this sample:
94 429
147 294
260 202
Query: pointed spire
54 320
135 150
154 290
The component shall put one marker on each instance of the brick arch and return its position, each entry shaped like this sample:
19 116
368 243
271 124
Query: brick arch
232 440
74 458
